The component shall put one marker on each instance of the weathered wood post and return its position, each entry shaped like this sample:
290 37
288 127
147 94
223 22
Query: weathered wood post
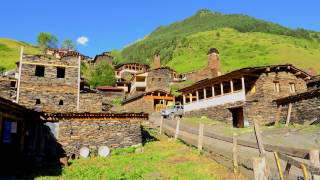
200 137
161 124
235 153
261 148
289 114
258 137
177 129
259 166
314 159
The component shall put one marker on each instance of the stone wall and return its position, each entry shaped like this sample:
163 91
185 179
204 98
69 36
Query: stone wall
49 89
7 90
74 134
302 111
201 74
220 113
140 105
159 79
260 105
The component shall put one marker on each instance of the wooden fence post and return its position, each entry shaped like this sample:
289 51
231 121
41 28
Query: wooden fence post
259 166
200 137
289 114
161 124
235 153
259 139
177 129
314 159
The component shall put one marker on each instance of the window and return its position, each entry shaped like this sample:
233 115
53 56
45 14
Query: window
276 86
60 102
39 71
12 84
292 87
61 72
38 101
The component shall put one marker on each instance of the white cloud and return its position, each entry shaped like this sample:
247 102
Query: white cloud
83 40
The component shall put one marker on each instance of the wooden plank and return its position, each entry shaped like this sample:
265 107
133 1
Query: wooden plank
176 134
289 114
312 169
200 137
235 153
259 166
314 160
161 124
259 138
159 97
287 170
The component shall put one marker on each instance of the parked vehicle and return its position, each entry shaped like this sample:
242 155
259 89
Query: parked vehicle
173 111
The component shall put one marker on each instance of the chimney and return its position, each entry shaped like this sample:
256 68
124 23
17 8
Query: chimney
156 61
214 61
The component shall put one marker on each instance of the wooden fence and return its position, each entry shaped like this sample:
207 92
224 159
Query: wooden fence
229 153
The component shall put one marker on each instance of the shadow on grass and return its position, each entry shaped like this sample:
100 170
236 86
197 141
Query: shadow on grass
148 135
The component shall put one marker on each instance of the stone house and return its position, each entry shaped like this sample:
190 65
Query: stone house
103 57
212 70
243 95
49 84
29 138
149 102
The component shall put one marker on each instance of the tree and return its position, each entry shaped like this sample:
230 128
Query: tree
102 74
46 40
68 44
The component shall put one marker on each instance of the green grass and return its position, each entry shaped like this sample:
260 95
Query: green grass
10 52
164 159
238 50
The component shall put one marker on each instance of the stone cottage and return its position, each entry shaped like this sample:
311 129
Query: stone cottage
240 96
149 102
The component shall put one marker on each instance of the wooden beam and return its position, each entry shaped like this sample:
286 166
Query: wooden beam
159 97
289 114
312 169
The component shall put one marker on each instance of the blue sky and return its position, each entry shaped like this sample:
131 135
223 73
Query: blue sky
115 23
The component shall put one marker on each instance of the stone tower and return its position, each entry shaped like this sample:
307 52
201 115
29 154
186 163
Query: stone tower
156 61
214 61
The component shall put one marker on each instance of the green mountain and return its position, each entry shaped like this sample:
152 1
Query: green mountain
242 41
10 52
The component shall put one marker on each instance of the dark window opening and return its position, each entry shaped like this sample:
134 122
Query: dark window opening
13 84
39 71
61 72
237 117
61 102
38 101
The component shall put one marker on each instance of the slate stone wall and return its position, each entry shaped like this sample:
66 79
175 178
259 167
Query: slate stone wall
74 134
140 105
49 89
159 79
220 113
302 111
6 90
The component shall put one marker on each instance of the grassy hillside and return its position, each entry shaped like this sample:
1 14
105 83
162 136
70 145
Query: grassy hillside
242 40
10 52
239 50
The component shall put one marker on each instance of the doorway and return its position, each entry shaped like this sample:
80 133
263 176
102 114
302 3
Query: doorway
237 117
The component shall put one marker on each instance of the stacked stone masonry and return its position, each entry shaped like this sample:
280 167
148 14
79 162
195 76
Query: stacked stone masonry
74 134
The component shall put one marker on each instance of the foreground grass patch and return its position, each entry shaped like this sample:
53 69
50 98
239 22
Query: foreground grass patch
163 159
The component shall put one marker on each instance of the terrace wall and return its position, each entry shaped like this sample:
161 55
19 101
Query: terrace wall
113 133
